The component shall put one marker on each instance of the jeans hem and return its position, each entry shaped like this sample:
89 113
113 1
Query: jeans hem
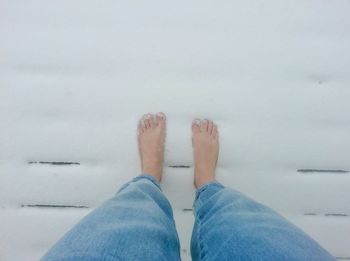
197 201
148 177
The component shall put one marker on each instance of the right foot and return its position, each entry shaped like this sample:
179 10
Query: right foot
151 138
205 142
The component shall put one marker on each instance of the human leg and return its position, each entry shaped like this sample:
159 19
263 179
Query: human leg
137 223
230 226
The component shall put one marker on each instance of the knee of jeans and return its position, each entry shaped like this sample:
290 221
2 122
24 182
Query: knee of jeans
123 187
142 178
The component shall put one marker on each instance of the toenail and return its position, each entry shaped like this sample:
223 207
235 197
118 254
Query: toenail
197 122
161 115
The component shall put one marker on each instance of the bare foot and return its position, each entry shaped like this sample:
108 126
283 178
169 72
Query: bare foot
205 142
151 138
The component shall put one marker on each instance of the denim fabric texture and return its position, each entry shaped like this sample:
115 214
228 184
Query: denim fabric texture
138 224
230 226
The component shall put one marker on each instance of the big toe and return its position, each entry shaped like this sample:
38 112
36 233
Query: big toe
196 126
140 127
160 118
215 132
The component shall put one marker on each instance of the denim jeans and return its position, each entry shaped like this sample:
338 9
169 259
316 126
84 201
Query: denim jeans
138 224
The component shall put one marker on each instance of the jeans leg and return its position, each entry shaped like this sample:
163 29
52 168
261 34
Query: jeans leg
230 226
136 224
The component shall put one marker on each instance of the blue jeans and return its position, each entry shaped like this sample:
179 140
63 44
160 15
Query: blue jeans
138 224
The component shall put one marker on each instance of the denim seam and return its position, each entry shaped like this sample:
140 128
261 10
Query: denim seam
200 241
197 205
203 188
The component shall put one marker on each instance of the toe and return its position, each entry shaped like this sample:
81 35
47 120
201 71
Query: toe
217 135
152 121
140 127
145 124
214 132
204 125
160 118
210 126
146 121
142 122
196 126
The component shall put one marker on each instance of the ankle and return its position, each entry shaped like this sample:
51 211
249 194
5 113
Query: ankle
201 182
203 176
153 170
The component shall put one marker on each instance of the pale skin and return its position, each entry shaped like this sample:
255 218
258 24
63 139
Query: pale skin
205 143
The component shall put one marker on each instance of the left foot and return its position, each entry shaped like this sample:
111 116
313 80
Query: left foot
205 141
151 138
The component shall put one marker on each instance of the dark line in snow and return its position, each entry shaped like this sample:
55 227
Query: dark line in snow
335 171
52 206
310 214
54 162
327 214
179 166
336 215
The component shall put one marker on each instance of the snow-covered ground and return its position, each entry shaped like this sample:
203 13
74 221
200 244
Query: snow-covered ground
75 76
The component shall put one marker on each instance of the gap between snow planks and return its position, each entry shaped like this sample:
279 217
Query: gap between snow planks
52 206
58 163
315 171
327 214
180 166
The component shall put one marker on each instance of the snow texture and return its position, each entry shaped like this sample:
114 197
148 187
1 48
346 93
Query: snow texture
75 76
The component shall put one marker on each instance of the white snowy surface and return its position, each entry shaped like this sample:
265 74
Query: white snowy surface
75 76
